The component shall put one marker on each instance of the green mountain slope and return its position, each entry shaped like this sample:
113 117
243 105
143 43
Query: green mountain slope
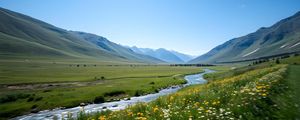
113 48
282 37
24 37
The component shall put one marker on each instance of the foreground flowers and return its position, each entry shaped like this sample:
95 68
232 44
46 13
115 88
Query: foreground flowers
246 96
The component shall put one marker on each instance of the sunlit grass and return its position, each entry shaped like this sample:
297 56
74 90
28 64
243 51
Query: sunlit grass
246 96
131 80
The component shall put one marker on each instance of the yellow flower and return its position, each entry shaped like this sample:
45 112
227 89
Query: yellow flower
155 109
102 118
140 114
196 104
190 117
130 113
142 118
171 98
214 103
264 94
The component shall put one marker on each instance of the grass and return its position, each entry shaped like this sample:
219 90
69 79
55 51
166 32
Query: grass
259 92
34 72
294 84
226 73
121 80
250 92
295 60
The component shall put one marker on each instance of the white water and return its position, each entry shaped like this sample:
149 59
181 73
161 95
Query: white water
116 105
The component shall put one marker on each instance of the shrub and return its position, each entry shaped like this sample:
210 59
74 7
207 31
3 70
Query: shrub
13 97
47 91
38 99
99 99
114 93
30 99
277 61
34 106
139 93
152 83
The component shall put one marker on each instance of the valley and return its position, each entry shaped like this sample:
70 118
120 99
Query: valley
51 73
41 84
264 91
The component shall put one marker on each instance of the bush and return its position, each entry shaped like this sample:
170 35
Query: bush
13 97
114 93
99 99
38 99
30 99
277 61
152 83
34 106
139 93
47 91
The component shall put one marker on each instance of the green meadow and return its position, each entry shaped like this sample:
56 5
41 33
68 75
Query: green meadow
263 91
31 86
112 52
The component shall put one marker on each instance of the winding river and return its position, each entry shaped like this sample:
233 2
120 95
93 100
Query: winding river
116 105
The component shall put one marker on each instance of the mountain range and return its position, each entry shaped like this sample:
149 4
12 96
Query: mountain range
282 37
169 56
22 36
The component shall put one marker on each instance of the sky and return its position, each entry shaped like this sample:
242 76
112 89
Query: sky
190 26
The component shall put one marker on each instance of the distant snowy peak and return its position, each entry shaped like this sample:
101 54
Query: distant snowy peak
169 56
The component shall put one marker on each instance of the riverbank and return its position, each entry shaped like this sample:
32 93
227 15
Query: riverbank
116 105
253 94
119 82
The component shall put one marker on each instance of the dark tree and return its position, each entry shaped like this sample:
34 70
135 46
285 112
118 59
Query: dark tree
277 61
99 99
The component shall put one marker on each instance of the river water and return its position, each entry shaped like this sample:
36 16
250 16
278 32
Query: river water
116 105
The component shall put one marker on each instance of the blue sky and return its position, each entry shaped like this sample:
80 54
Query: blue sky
188 26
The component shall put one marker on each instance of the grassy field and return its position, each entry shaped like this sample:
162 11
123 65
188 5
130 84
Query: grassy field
41 72
264 91
102 80
250 92
294 84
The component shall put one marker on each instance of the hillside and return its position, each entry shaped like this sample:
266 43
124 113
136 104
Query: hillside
24 37
113 48
183 57
163 54
282 37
